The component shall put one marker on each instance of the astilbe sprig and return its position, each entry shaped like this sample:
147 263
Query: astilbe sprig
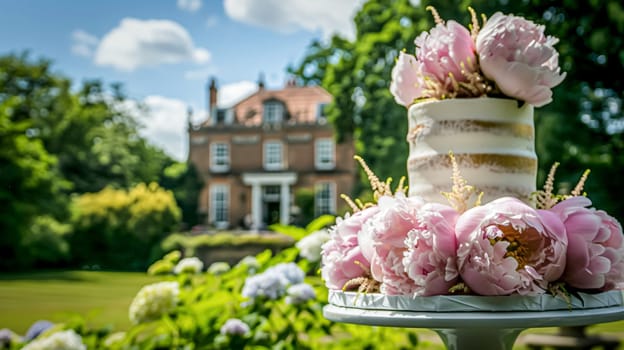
379 188
546 198
461 192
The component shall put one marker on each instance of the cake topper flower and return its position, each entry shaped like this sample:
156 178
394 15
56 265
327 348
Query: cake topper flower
510 56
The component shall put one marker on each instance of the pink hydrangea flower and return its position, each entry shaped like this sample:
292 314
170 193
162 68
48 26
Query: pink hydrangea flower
445 51
430 260
341 256
506 247
595 246
383 241
519 58
406 84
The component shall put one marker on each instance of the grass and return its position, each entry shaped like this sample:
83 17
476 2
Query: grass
101 297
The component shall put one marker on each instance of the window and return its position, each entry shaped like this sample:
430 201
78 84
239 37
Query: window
219 157
324 198
219 205
273 155
324 154
321 111
273 112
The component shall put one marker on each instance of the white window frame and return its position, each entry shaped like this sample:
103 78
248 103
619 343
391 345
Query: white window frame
320 107
273 112
272 161
324 205
324 154
220 205
219 162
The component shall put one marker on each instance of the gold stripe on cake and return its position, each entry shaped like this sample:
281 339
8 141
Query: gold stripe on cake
498 163
446 127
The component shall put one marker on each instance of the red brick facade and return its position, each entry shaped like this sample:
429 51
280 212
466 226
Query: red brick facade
255 156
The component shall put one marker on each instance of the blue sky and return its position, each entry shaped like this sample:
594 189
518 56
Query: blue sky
164 51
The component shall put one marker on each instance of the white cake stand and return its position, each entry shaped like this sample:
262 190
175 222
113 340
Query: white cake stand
495 326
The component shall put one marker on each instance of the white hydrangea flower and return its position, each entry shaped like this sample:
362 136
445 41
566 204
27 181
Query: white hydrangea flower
65 340
189 265
153 301
310 245
218 268
114 338
300 293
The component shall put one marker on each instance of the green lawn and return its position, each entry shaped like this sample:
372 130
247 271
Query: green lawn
102 297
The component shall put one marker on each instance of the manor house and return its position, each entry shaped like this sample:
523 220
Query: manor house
257 156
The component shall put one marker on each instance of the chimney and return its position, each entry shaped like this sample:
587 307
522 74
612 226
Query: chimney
212 97
261 82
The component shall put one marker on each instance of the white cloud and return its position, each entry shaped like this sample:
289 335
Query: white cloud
327 16
138 43
83 43
165 124
229 94
190 5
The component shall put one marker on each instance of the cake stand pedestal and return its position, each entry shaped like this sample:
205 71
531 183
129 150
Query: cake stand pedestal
463 330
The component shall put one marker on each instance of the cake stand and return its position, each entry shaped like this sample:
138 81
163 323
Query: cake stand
473 322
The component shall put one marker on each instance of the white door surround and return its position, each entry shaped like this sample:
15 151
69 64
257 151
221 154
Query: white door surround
256 181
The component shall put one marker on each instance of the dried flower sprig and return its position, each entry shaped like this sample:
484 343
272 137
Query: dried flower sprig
364 284
435 14
379 188
461 191
546 199
578 189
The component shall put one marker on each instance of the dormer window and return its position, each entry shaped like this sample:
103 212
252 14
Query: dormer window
273 112
321 111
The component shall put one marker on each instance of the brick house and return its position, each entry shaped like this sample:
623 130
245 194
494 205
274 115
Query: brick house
255 156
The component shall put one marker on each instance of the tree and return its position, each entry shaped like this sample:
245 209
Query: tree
185 183
29 184
53 143
582 128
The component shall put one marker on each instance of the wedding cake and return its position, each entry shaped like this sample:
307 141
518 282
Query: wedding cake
473 221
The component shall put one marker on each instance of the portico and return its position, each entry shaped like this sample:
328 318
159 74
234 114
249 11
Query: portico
260 181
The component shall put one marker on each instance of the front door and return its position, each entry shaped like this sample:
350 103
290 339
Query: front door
271 199
272 213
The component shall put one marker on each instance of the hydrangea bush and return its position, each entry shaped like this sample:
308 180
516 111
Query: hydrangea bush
265 301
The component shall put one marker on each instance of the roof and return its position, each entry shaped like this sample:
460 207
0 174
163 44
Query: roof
301 104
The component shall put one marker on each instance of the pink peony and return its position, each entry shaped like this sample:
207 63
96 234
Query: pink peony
430 260
406 85
341 256
595 246
383 242
506 246
445 52
519 58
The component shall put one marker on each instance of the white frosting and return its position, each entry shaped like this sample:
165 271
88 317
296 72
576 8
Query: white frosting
492 139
